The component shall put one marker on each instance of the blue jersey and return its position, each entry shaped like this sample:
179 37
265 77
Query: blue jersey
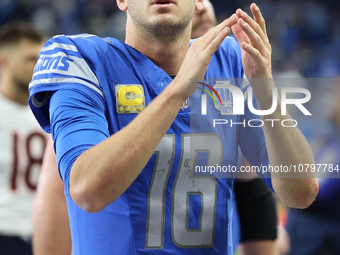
85 89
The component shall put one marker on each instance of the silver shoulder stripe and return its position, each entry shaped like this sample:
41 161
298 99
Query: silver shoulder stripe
65 80
80 36
60 46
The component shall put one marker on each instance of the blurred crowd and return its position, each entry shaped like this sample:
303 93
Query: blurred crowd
305 35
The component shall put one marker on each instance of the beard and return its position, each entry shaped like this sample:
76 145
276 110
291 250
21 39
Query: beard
21 84
166 28
164 31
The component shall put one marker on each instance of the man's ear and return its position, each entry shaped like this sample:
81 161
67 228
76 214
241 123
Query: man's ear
200 5
3 59
122 5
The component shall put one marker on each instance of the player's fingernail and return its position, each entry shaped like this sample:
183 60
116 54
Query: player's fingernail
243 22
256 7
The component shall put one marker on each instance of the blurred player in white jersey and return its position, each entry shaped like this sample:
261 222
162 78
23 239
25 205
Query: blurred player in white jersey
22 141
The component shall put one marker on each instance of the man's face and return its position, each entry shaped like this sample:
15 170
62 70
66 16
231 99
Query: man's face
162 18
21 60
203 20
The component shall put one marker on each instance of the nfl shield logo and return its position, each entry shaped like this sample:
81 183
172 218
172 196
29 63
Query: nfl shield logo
226 97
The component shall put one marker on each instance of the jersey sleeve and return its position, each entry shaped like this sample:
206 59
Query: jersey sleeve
78 122
64 62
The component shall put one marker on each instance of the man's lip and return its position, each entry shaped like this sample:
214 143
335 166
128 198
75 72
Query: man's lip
159 2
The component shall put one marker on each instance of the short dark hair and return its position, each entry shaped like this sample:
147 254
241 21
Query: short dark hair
14 32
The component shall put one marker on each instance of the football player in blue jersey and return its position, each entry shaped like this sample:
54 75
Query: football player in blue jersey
122 143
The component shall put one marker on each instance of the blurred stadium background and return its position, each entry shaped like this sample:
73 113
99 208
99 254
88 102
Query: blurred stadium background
305 35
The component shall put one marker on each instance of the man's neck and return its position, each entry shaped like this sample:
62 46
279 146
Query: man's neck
167 55
12 91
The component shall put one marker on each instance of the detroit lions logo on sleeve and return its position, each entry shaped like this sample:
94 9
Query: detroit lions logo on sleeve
55 63
60 62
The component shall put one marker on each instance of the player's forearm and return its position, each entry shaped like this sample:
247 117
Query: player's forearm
287 146
51 230
51 233
101 174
